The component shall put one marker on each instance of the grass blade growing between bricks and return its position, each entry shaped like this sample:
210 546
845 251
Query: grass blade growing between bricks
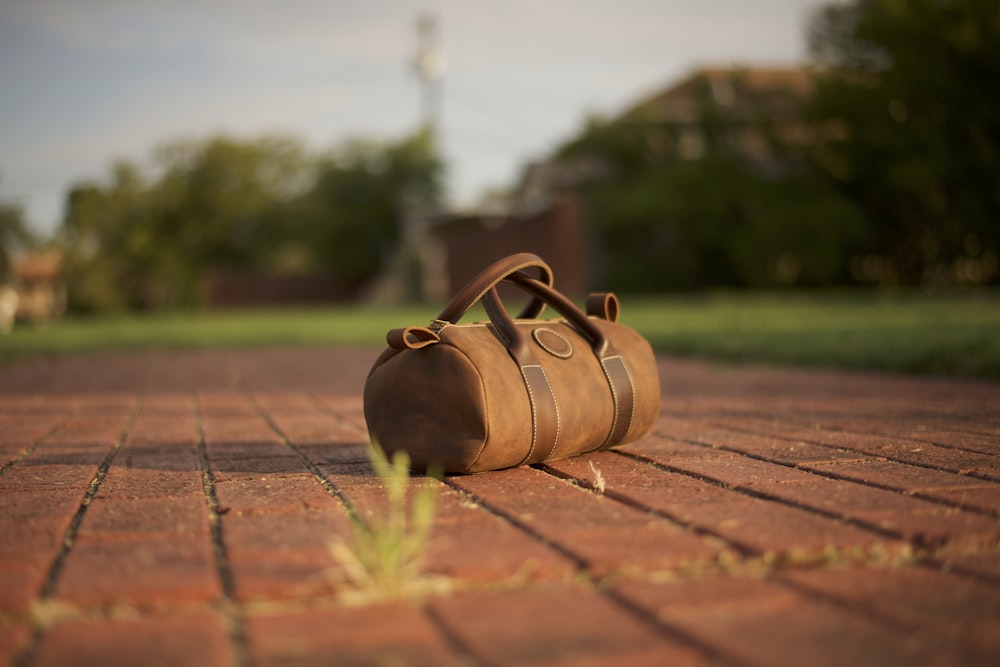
386 558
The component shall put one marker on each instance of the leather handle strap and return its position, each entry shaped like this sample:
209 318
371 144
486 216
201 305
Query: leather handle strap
612 363
603 305
544 410
489 278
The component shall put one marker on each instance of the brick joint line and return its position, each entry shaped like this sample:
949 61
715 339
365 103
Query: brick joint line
895 459
923 555
829 474
453 641
848 430
872 614
28 451
637 612
310 465
623 499
232 610
760 495
69 537
578 561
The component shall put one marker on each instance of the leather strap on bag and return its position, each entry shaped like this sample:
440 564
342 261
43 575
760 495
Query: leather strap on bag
489 278
619 380
544 410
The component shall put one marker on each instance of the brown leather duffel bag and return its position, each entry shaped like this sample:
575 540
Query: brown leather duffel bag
489 395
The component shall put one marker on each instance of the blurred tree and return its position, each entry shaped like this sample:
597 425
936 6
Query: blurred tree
674 215
354 212
142 244
14 236
908 127
149 241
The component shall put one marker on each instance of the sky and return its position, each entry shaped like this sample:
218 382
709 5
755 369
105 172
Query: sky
86 82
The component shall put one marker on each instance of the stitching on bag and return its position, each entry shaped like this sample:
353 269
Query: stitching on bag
534 412
552 393
614 396
631 417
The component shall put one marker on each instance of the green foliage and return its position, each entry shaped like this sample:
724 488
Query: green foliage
716 221
148 240
14 236
907 122
386 557
666 216
352 213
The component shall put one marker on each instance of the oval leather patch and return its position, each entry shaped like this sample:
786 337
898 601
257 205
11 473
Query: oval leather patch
553 343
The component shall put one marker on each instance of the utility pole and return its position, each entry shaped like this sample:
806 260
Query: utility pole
417 269
430 66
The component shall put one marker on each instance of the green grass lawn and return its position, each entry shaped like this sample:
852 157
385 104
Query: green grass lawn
956 334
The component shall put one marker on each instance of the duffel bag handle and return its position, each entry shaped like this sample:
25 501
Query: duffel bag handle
489 278
502 320
544 412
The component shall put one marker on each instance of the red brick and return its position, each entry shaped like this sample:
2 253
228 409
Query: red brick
36 539
982 442
672 450
983 565
284 575
317 429
165 404
758 622
336 453
140 571
240 439
95 431
20 582
944 432
942 529
544 624
119 516
19 432
19 505
252 446
982 498
225 404
864 444
955 610
29 476
468 542
285 402
14 638
739 471
601 532
274 492
193 640
156 429
284 531
378 634
778 449
763 526
153 482
844 498
895 475
251 467
471 544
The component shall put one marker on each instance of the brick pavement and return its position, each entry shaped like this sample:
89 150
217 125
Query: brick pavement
178 509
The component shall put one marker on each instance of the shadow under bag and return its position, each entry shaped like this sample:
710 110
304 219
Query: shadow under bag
482 396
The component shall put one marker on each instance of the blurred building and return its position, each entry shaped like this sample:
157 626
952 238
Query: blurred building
753 112
751 109
36 291
551 228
